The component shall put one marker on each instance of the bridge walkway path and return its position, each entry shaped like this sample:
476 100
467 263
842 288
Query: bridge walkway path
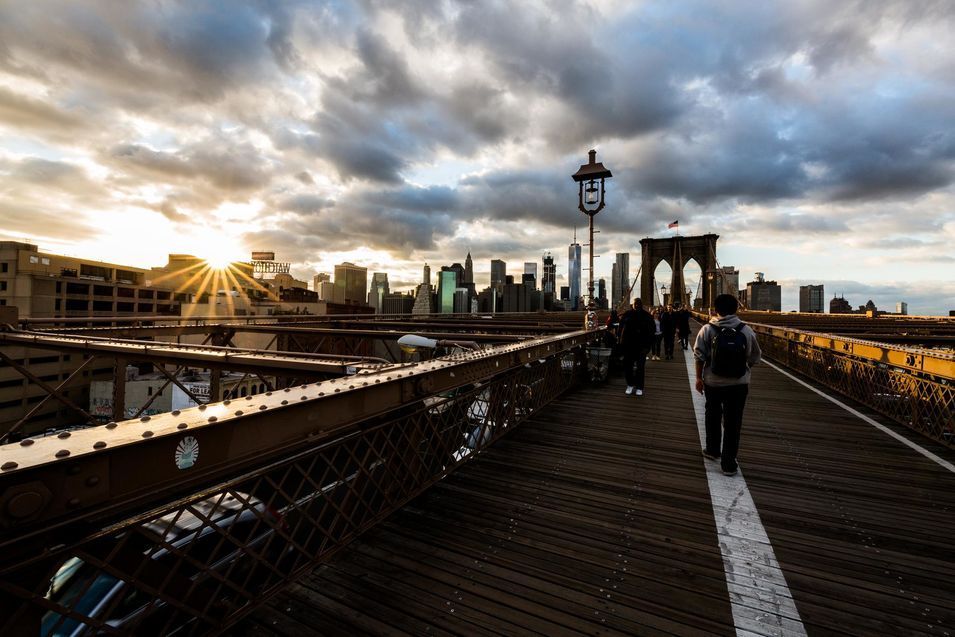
600 516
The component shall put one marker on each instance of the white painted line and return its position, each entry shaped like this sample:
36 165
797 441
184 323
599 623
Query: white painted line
759 596
905 441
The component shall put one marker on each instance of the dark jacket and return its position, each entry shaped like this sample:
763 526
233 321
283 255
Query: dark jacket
637 328
683 322
668 323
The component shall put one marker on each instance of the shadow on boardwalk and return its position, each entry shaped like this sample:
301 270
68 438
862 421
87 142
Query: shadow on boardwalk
595 518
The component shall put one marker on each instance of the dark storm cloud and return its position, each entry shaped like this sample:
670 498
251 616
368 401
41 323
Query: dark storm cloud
146 56
405 218
229 167
305 203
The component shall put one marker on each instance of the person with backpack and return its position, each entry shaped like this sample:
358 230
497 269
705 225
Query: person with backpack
637 330
725 350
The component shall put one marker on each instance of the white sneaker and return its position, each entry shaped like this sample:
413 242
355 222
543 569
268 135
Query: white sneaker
629 389
639 392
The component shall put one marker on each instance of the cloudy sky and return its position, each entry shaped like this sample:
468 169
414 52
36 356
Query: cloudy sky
816 138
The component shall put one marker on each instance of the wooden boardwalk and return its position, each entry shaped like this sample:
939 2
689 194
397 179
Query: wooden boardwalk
595 517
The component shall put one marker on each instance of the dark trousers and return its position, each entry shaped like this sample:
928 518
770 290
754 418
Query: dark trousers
657 341
634 364
724 406
668 344
684 339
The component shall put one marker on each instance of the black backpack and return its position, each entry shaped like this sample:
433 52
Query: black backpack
728 352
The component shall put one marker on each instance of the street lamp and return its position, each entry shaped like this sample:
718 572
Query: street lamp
591 200
663 295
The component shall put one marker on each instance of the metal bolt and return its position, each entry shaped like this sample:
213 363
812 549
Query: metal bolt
27 442
175 412
181 425
147 434
144 419
238 413
99 444
111 425
212 419
62 453
262 407
8 466
64 435
92 481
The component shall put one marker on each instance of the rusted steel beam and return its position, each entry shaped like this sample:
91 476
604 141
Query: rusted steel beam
26 373
95 471
213 357
46 398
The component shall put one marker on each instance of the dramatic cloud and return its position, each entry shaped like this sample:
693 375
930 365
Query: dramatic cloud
813 137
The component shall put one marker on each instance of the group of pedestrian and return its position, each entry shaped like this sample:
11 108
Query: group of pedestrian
724 350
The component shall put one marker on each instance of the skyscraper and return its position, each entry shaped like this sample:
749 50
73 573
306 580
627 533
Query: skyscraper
549 282
602 293
531 268
573 272
498 272
351 281
811 298
447 284
379 288
620 283
426 278
320 278
468 269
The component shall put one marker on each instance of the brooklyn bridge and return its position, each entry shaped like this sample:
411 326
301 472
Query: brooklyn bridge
496 485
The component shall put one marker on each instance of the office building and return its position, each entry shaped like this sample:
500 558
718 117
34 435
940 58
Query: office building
530 268
549 282
447 285
902 308
498 272
602 293
468 269
35 284
812 298
620 279
462 303
573 273
839 305
727 280
398 303
45 285
565 293
352 282
320 278
762 295
379 288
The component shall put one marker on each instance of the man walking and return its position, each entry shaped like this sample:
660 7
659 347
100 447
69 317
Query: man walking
725 350
637 329
683 326
668 323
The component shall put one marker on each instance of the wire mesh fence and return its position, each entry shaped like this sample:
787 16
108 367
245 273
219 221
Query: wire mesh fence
195 565
924 402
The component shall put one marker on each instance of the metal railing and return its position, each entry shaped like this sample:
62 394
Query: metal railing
914 387
220 543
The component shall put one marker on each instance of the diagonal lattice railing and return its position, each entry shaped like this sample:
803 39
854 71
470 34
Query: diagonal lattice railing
198 562
914 387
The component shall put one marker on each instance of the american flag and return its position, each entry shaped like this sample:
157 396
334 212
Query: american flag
675 224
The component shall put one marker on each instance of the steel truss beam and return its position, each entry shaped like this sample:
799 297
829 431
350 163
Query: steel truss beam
94 472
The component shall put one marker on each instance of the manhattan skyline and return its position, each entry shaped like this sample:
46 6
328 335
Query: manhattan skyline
816 140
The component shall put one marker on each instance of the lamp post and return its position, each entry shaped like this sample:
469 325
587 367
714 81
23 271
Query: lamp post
591 200
663 295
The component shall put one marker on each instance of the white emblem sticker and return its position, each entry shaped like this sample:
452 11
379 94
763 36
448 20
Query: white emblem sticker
187 452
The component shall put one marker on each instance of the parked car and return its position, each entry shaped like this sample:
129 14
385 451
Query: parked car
91 592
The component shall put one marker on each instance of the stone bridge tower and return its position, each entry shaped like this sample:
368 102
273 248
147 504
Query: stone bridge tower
677 252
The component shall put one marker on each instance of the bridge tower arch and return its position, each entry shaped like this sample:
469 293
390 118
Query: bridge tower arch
677 252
